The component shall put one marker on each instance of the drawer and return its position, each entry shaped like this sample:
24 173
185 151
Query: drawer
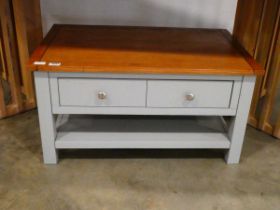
101 92
192 93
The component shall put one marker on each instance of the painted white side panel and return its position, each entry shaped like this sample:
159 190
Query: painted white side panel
46 118
175 13
207 94
238 124
119 93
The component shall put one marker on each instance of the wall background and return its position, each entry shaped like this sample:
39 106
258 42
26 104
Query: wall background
173 13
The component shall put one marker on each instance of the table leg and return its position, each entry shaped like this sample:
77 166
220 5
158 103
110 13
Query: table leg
46 117
238 123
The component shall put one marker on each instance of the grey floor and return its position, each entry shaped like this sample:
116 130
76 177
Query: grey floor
137 179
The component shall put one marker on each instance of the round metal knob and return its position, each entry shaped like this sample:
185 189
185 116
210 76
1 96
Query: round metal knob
102 95
190 97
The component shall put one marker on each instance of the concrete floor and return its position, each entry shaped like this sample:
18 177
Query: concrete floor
134 180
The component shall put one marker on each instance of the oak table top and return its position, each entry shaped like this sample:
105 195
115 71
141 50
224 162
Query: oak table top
142 50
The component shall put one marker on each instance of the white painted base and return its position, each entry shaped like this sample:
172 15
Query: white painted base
87 131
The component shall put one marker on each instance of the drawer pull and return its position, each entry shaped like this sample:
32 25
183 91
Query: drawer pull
190 97
102 95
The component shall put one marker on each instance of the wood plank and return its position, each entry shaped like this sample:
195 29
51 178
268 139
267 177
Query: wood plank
9 49
247 23
113 49
3 75
266 31
273 43
2 101
23 51
272 82
20 30
253 119
33 23
276 132
3 69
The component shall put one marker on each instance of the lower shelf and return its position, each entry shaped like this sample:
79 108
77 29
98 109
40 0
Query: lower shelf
85 132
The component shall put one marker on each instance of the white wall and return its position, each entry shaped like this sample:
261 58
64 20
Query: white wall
177 13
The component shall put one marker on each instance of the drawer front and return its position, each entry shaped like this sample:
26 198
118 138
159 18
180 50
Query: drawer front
102 92
192 93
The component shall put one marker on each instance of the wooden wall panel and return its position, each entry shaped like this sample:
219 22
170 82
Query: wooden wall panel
28 28
249 14
271 83
33 23
247 23
257 29
266 31
21 32
22 42
11 76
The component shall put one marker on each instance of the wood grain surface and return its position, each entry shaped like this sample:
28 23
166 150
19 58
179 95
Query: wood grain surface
119 49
